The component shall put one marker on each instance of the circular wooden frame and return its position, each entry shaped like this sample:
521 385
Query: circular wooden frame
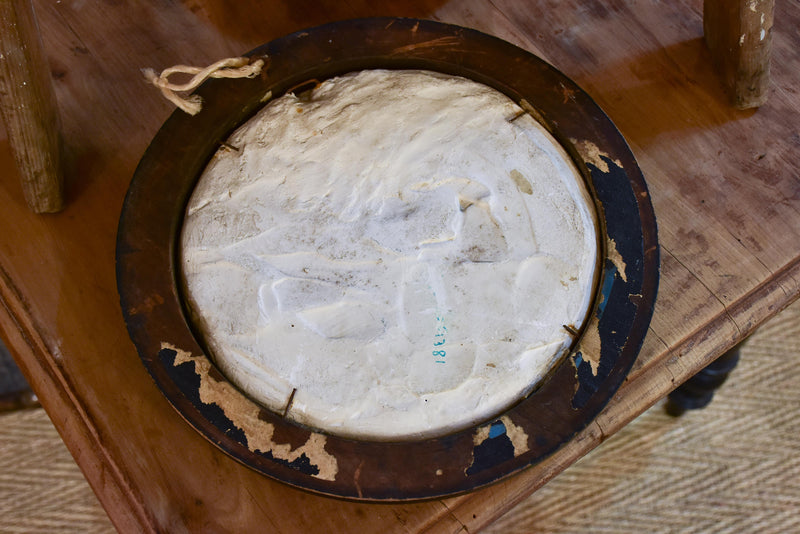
572 395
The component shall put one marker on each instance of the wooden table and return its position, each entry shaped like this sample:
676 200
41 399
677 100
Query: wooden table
724 184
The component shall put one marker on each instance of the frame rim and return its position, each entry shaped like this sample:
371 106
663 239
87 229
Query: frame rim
577 388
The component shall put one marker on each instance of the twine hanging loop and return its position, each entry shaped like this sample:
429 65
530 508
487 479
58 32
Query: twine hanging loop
233 67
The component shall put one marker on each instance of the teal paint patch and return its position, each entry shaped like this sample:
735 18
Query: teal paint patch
608 284
497 429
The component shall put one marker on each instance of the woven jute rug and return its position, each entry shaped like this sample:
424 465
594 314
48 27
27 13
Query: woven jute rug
732 467
41 487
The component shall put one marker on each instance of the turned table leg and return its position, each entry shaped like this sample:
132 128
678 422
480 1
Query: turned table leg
739 35
28 107
698 391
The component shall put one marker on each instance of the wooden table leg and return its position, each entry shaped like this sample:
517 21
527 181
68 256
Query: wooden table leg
15 393
739 35
698 391
28 106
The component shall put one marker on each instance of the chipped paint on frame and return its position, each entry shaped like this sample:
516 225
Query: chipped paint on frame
588 349
616 258
515 433
592 154
495 443
245 415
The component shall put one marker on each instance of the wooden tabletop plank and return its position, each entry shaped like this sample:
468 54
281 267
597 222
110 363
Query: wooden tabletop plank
724 184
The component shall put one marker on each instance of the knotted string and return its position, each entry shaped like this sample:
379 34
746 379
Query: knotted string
234 67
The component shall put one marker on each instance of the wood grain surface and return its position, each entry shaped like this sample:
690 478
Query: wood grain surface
724 185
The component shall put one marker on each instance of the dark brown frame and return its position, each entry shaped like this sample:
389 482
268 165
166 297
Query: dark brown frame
566 402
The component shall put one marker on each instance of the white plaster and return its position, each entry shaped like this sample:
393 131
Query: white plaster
355 235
